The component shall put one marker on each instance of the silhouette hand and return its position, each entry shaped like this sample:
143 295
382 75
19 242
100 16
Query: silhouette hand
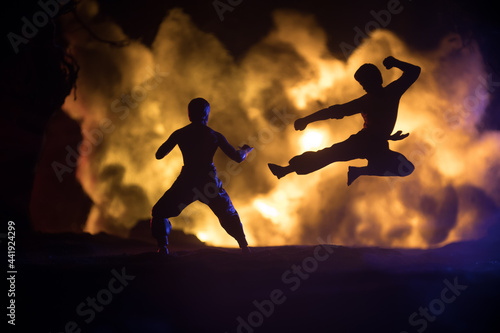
389 62
300 124
398 136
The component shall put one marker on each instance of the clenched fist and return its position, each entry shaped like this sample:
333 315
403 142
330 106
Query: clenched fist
389 62
300 124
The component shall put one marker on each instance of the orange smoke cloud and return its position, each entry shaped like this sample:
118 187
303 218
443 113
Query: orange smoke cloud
142 95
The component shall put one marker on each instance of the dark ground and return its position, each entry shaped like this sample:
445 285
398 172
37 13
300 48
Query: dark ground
206 289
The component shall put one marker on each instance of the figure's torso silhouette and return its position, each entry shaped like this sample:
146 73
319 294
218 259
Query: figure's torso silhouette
380 113
380 109
198 144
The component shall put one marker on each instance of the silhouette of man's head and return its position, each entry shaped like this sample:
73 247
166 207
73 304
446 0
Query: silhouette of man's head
369 76
198 110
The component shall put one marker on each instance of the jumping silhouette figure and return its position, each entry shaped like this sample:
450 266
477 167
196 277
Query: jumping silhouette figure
379 108
198 178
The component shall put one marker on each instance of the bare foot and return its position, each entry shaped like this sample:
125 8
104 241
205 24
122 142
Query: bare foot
163 250
277 170
352 175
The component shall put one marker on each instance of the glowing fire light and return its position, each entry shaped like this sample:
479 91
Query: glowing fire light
266 210
124 180
202 236
311 140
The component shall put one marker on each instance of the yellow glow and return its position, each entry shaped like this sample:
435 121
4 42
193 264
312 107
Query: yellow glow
311 139
381 211
314 89
266 210
202 236
450 164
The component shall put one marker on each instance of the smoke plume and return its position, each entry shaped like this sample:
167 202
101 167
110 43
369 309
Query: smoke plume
131 99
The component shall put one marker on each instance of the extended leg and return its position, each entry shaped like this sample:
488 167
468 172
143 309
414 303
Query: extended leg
389 164
311 161
355 172
170 205
228 217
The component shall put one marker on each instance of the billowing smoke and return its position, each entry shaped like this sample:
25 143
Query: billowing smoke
131 99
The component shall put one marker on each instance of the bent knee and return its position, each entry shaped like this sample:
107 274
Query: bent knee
406 168
161 211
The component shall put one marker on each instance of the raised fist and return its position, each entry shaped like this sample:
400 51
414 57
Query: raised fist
389 62
300 124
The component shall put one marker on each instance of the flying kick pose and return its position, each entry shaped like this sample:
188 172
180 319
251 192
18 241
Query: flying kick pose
379 108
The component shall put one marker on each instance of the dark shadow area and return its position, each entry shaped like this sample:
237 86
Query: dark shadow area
55 182
102 283
37 75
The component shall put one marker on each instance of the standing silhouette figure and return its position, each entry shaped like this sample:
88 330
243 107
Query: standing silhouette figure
198 178
379 108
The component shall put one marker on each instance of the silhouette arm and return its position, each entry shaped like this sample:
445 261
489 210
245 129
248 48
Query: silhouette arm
410 73
236 155
337 111
167 146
